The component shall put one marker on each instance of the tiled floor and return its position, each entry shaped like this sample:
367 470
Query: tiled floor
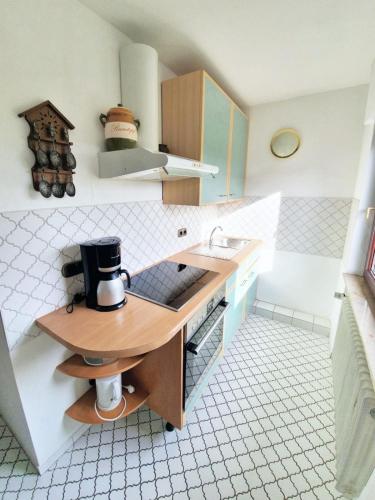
263 430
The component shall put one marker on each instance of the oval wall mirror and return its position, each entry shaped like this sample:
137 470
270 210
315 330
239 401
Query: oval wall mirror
285 142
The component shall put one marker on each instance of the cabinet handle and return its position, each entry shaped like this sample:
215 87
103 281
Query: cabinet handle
231 194
222 195
195 348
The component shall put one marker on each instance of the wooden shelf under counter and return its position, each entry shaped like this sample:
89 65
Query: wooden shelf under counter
140 329
76 367
83 410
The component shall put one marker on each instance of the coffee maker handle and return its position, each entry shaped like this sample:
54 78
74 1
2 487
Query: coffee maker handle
124 271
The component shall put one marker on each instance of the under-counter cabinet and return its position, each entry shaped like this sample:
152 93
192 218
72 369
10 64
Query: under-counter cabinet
240 293
202 123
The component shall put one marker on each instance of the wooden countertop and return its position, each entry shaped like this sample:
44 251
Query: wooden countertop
140 326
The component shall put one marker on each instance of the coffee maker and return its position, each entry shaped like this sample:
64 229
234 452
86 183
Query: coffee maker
101 267
101 262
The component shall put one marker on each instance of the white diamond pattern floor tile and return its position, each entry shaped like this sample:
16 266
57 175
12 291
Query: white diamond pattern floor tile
264 429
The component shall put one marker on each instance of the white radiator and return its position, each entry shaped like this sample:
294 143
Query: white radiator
354 408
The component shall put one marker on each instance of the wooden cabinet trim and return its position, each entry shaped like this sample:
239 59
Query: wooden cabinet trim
203 98
230 145
181 117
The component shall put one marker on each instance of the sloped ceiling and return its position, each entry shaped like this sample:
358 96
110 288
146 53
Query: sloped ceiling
258 50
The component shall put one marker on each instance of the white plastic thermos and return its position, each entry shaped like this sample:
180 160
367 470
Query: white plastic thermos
108 392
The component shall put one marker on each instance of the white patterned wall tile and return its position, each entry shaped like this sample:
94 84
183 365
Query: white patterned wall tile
35 245
315 226
256 218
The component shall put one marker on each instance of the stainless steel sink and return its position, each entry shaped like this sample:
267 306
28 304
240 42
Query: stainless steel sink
227 242
221 248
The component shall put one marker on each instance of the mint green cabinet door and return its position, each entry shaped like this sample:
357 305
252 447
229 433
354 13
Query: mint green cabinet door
216 124
239 153
233 317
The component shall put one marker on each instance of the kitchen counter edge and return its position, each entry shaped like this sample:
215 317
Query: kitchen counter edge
130 331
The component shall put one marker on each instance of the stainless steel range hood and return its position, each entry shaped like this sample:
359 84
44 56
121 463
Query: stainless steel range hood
141 164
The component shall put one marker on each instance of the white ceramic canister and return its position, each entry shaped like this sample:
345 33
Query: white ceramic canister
120 129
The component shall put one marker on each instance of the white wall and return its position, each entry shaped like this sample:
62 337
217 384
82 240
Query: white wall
359 232
330 126
359 229
11 407
359 238
61 51
52 432
301 282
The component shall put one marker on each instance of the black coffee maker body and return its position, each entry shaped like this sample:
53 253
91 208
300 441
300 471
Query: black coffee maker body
101 262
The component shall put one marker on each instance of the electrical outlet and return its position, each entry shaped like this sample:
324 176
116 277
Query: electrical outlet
181 232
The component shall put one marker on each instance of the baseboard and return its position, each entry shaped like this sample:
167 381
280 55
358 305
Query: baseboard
306 321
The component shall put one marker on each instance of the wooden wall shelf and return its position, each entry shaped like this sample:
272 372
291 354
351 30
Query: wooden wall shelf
83 409
76 367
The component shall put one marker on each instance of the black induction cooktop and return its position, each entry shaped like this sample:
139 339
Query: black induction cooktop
170 284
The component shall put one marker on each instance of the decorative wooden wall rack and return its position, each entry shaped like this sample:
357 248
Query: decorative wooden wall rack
52 172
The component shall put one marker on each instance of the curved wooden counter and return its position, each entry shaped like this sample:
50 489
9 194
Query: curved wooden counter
140 326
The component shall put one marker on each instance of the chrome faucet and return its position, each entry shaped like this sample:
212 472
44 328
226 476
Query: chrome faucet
212 234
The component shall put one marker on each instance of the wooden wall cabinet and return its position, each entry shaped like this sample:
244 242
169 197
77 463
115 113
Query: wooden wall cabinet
202 123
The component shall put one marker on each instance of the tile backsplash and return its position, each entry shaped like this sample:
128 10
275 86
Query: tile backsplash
314 226
35 244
